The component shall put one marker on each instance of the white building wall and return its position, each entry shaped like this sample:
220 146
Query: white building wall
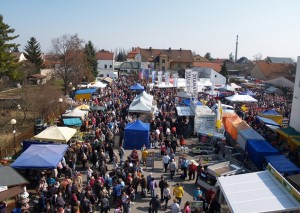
214 76
106 73
295 115
109 64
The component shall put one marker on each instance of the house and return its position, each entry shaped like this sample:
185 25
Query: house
295 113
279 60
263 70
162 59
208 73
198 58
240 68
283 81
19 55
215 66
105 66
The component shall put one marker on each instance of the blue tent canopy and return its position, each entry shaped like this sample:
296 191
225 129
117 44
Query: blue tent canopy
248 134
257 150
40 157
28 143
187 102
137 86
72 121
270 112
136 135
282 164
267 121
247 92
85 91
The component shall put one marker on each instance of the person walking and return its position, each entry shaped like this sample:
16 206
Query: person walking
162 184
172 167
167 195
175 207
192 170
197 194
155 204
166 161
187 207
178 192
153 186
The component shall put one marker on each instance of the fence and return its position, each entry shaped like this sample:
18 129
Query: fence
8 149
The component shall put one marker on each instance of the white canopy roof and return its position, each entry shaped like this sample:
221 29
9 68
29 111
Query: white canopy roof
146 96
241 98
75 113
97 85
56 133
256 192
140 105
235 86
163 85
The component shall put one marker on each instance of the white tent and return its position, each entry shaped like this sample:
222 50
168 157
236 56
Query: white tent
146 96
241 98
140 106
163 85
75 113
97 85
227 88
235 86
55 133
256 192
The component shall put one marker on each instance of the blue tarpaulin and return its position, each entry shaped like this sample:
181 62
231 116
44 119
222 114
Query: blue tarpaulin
270 112
85 91
282 164
247 92
27 144
72 121
137 86
187 102
257 150
40 157
136 135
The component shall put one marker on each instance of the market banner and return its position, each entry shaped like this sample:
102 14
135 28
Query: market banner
146 74
195 83
167 78
188 81
159 75
141 73
153 76
175 80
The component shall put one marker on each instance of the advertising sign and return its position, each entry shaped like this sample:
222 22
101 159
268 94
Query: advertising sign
188 81
159 75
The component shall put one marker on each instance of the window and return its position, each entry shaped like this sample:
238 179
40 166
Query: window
105 66
110 66
163 61
107 75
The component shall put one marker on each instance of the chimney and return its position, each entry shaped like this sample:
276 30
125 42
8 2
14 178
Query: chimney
236 48
132 48
180 49
150 48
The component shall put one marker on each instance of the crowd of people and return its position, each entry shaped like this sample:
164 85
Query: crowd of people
64 190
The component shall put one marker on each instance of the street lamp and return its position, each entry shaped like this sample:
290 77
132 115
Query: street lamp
60 101
13 123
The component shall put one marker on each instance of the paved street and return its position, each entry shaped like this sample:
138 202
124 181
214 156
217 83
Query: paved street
142 204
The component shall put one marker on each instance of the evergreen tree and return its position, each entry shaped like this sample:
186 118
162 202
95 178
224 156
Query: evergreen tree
33 52
208 56
224 72
9 64
90 53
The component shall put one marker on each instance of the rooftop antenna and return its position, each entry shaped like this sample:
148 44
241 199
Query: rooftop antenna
236 48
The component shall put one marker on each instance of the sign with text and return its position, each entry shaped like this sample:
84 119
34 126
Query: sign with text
189 81
195 84
150 160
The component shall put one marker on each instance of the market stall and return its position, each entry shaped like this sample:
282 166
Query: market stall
272 114
248 134
287 135
282 164
84 94
136 134
259 192
56 133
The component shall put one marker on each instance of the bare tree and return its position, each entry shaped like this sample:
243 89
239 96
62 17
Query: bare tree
70 61
257 57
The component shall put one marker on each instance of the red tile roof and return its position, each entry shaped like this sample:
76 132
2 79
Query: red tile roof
104 55
215 66
173 55
269 69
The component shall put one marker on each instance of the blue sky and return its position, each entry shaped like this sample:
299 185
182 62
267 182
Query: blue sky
269 27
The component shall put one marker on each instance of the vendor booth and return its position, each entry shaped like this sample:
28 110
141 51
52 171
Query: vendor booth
268 122
56 133
241 98
248 134
205 118
84 94
136 134
248 92
188 100
137 87
272 114
83 107
72 122
75 113
98 84
140 105
265 191
282 164
289 136
236 127
258 150
40 157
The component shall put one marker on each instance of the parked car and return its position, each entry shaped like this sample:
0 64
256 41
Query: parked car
203 150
